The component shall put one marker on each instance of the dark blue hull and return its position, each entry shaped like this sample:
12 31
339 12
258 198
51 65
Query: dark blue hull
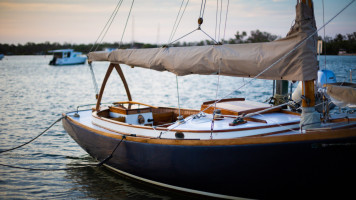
300 169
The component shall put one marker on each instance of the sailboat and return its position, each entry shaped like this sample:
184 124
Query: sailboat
230 148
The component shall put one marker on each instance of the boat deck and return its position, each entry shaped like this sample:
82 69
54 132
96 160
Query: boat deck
259 119
196 127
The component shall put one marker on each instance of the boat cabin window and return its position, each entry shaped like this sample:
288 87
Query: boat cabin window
66 54
57 55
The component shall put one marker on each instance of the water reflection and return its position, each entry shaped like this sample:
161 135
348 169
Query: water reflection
101 183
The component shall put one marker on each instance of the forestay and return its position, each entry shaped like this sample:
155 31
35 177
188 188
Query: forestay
241 60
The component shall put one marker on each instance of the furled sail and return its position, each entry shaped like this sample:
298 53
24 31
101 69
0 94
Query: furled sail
241 60
342 94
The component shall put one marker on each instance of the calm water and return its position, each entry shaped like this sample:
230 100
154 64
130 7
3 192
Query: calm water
33 95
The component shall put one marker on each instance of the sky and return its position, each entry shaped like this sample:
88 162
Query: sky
152 21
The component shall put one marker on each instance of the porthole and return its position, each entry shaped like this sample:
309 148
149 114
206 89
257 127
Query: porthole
179 135
140 119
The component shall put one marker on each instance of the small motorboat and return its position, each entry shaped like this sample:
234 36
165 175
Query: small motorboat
67 57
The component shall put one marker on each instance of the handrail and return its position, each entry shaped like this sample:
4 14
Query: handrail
133 102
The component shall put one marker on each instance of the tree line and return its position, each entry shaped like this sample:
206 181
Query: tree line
345 43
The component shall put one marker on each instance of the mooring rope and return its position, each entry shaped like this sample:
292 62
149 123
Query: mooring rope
112 153
41 169
34 137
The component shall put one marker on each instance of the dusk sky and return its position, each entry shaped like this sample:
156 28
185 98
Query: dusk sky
81 21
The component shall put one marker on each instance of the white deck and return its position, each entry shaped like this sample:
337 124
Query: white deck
204 123
198 128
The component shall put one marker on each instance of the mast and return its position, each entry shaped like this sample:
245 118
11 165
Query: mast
309 118
281 92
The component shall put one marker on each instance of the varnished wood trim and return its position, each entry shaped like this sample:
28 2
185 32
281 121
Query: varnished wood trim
118 110
343 119
107 75
134 102
121 74
124 111
308 92
224 100
251 119
231 112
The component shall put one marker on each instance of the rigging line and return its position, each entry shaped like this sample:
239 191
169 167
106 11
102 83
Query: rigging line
178 95
217 86
216 17
182 37
127 20
33 138
108 27
202 8
202 16
267 109
112 14
277 61
216 97
117 10
96 88
227 10
208 36
220 20
285 55
324 38
175 22
180 19
323 107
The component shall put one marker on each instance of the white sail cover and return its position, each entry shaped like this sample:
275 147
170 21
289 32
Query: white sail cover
241 60
342 94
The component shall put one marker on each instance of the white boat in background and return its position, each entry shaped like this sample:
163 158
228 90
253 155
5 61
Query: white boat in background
67 57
